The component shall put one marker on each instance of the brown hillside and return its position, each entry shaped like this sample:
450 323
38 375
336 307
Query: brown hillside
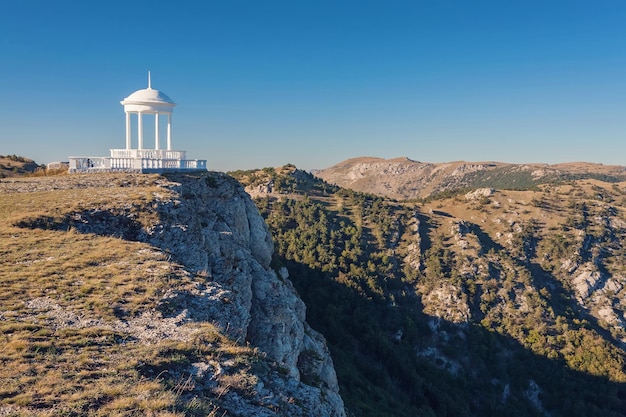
404 178
12 165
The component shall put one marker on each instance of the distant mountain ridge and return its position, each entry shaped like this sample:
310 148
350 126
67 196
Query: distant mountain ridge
404 178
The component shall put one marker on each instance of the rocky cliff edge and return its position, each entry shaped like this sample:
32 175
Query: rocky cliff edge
209 229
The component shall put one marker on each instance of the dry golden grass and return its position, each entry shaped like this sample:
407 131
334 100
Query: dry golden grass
87 271
83 365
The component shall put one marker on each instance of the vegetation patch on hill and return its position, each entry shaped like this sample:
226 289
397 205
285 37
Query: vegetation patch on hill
494 302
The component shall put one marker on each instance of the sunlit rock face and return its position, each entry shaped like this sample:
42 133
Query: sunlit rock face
212 227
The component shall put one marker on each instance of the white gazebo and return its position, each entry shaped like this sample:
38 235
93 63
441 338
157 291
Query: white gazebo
147 101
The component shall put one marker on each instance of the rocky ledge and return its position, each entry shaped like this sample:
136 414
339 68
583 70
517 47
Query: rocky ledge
213 227
208 225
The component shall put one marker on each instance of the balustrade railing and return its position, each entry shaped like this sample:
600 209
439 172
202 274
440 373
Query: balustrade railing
95 163
148 153
120 162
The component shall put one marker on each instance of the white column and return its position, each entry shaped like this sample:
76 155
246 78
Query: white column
139 131
169 131
156 131
128 130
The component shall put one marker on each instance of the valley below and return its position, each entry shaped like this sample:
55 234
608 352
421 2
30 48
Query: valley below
471 301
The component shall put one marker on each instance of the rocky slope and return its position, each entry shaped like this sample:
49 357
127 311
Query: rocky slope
488 302
403 178
209 229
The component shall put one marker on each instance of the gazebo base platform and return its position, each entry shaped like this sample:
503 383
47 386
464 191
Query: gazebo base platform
138 165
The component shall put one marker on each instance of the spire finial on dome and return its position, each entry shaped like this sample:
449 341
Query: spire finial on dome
149 83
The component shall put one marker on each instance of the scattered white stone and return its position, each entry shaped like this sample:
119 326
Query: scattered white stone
479 193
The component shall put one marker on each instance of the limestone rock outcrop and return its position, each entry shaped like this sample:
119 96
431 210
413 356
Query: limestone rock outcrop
212 227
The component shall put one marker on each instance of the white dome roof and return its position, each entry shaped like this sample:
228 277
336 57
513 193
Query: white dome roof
148 96
148 100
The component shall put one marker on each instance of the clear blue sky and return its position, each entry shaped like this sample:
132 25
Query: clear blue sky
313 82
